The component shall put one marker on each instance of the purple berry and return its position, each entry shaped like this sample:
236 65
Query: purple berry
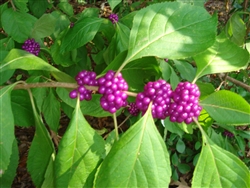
113 18
132 109
159 92
31 46
184 105
84 78
112 89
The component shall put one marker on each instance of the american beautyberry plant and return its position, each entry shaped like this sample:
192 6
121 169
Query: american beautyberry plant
173 77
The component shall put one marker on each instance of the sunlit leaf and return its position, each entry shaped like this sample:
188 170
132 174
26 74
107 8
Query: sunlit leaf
223 56
171 30
227 107
139 158
217 167
80 152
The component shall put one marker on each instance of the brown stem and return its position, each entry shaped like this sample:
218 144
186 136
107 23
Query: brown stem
237 82
13 5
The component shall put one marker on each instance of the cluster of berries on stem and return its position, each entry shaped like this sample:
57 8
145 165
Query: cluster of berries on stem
180 105
113 18
31 46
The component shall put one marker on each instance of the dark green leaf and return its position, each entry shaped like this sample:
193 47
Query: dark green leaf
7 44
205 89
7 136
51 111
66 7
79 153
21 5
227 107
17 27
175 159
22 109
184 168
166 70
223 56
44 26
172 127
131 159
38 7
41 151
171 30
186 70
80 34
113 3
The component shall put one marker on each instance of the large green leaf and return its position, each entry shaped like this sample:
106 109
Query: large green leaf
6 128
51 111
138 159
7 178
82 32
44 26
17 24
223 56
219 168
79 153
41 151
19 59
227 107
171 30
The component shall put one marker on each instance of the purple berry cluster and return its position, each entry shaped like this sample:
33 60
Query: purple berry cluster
84 78
159 92
30 45
132 109
112 87
113 18
228 134
184 103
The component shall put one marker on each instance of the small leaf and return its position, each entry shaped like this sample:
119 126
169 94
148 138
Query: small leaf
7 136
227 107
19 59
223 56
180 146
17 28
186 70
236 29
205 88
113 3
184 168
66 7
171 30
80 34
51 106
79 153
175 159
21 5
130 160
40 152
212 165
38 7
44 26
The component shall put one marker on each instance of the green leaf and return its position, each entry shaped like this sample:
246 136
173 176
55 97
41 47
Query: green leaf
172 127
82 32
171 30
180 146
7 136
212 165
51 106
223 56
19 59
79 153
41 151
38 7
236 29
130 161
17 28
21 5
7 43
205 89
186 70
113 3
91 108
66 7
184 168
7 178
44 26
175 159
227 107
193 2
21 108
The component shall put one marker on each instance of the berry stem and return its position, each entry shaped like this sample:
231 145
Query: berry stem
116 127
